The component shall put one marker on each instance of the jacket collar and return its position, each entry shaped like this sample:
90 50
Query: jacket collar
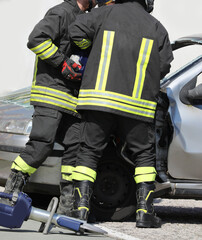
75 5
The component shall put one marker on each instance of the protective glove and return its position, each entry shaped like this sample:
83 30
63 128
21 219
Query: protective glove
70 70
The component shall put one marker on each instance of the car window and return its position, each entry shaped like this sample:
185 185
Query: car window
199 79
20 97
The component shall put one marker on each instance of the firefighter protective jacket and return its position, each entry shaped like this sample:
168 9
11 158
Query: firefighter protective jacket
49 40
130 53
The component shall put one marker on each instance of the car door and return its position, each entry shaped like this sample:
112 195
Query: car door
185 151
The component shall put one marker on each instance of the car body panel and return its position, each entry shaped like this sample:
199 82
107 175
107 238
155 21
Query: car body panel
185 151
16 107
187 41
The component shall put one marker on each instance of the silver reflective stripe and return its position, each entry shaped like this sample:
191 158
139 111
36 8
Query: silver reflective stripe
143 60
49 52
54 93
118 97
85 43
116 105
105 58
53 101
42 47
54 97
105 61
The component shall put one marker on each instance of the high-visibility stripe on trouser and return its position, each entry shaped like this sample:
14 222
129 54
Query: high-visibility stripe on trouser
82 173
145 174
20 165
66 172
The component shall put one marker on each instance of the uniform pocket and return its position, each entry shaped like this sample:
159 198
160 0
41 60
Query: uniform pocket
43 111
45 124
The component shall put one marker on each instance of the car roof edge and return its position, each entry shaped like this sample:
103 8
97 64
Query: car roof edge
187 41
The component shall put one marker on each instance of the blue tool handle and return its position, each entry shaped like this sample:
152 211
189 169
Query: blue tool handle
5 209
13 216
69 223
6 195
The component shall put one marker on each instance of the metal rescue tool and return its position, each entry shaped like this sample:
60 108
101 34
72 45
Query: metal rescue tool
21 210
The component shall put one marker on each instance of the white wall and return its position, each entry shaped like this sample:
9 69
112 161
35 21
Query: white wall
18 17
181 18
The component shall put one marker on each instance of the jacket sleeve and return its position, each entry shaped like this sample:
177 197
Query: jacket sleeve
82 31
165 50
43 38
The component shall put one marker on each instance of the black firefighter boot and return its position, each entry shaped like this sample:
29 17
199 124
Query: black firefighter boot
145 216
82 194
15 183
66 199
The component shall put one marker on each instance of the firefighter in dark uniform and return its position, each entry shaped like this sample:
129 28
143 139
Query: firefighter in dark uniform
130 53
54 95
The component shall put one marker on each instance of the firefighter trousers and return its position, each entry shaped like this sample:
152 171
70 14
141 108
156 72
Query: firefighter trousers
50 126
96 130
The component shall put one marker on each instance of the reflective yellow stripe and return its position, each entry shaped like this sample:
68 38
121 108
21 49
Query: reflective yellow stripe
48 53
54 93
82 177
51 101
145 178
143 210
67 172
79 208
21 165
117 106
45 49
149 194
145 174
42 47
108 2
67 169
88 94
107 45
85 43
67 177
86 170
53 97
143 60
144 170
79 192
35 71
14 166
82 173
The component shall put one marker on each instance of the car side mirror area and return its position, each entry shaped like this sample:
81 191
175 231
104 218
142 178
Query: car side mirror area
191 94
195 95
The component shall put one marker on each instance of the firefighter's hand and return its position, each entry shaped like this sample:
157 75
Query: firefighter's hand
70 70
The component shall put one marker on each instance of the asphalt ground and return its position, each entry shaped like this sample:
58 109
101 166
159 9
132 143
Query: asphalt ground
29 230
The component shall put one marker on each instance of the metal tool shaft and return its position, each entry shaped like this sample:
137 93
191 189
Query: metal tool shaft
63 221
41 215
13 216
